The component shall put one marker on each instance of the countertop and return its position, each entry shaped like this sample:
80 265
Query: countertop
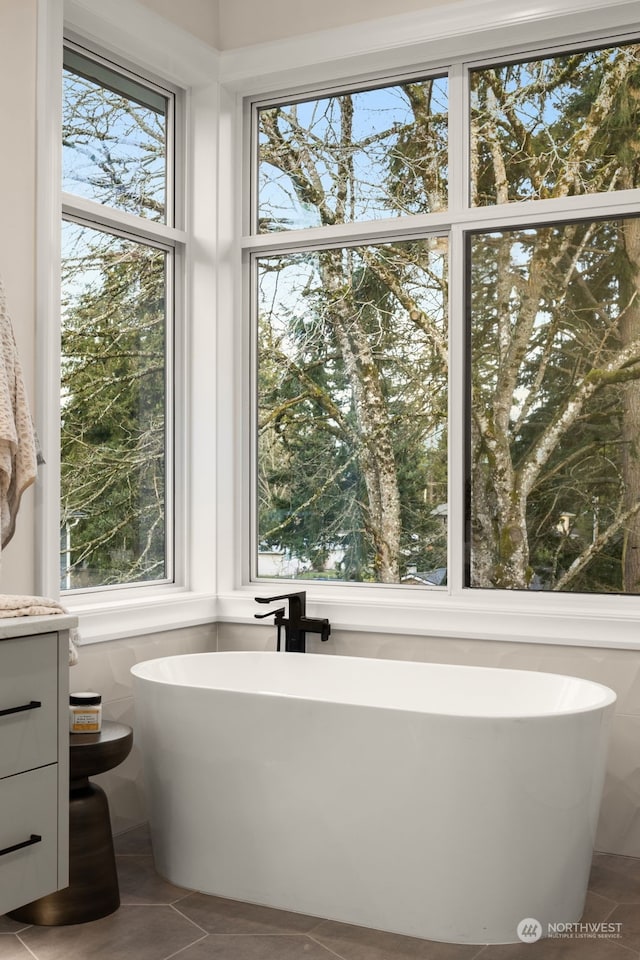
27 626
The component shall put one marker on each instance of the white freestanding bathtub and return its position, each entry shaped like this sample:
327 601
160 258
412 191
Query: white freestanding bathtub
445 802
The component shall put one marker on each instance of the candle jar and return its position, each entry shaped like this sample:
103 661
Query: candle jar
85 712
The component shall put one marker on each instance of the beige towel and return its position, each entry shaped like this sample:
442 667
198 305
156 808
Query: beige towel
18 455
15 605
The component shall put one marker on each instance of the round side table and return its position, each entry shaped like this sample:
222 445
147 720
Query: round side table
93 882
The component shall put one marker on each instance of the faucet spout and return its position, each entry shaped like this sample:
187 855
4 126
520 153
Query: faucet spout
323 627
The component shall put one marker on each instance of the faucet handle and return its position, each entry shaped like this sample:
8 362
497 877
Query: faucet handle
297 603
278 614
279 620
283 596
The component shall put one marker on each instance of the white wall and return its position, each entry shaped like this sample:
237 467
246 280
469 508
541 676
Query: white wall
228 24
244 22
199 17
17 236
106 667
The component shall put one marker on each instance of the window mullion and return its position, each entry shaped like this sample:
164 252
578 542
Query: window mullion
118 220
459 154
458 139
457 410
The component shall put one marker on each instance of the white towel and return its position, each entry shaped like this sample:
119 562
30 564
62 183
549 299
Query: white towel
18 455
16 605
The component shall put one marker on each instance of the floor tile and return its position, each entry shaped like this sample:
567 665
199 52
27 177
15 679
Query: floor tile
138 933
360 943
626 866
7 925
616 878
139 883
158 921
559 949
597 908
12 949
628 915
136 842
217 915
256 947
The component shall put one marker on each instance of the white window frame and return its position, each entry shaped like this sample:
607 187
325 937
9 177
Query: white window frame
470 34
215 400
134 35
170 238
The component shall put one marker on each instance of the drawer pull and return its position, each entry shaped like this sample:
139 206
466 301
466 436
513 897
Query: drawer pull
34 838
33 705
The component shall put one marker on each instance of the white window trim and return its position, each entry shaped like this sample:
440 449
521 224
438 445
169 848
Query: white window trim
135 34
170 238
217 524
400 43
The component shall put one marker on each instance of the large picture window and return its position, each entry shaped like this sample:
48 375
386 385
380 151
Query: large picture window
352 458
116 326
555 411
501 241
352 340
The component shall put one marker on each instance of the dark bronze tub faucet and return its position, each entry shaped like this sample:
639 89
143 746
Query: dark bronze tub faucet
297 624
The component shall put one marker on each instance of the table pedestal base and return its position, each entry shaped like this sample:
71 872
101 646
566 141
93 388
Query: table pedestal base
93 882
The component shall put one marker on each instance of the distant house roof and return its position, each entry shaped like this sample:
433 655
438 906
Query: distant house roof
431 578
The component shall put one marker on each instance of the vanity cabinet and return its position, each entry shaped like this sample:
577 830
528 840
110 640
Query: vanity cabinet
34 758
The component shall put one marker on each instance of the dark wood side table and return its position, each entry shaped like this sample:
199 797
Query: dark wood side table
93 882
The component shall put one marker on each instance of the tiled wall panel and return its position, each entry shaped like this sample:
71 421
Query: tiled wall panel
619 824
106 667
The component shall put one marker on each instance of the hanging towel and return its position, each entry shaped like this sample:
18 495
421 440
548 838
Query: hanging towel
18 454
15 605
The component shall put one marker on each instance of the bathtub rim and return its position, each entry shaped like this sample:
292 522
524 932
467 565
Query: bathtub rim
607 696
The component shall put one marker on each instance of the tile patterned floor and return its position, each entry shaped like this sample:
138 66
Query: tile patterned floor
158 921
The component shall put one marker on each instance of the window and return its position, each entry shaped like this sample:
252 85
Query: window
555 355
118 281
353 398
554 126
361 155
352 459
378 245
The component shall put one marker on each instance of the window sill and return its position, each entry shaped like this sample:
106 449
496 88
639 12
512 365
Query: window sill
547 619
157 613
481 615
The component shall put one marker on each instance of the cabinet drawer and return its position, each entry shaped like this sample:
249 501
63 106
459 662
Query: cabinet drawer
29 805
28 737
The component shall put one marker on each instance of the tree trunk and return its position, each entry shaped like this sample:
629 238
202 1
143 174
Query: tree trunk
630 331
376 456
